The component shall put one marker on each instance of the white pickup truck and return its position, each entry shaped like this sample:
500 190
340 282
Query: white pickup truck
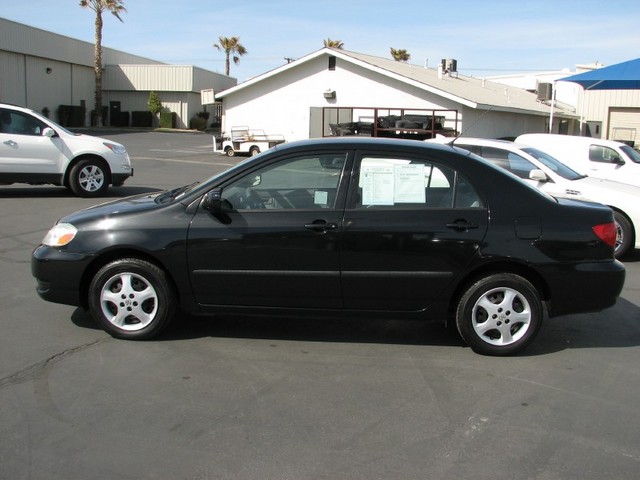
243 140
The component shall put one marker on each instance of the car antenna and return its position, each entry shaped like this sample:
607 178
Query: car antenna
466 129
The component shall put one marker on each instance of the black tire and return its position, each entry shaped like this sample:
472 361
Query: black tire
230 152
254 151
132 299
499 314
89 178
625 236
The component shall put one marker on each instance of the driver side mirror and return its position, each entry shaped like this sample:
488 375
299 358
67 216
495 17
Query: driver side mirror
48 132
212 201
538 175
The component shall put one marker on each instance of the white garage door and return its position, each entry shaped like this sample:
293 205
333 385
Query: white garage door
624 124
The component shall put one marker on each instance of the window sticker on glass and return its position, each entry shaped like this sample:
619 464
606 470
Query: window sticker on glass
320 197
387 181
377 185
409 183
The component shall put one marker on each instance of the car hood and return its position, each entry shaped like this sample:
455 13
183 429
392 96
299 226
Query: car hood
603 190
134 204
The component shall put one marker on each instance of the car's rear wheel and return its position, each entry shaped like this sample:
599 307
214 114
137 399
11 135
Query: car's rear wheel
499 314
132 299
624 237
89 178
254 151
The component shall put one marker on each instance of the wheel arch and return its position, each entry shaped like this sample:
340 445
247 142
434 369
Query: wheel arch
87 156
525 271
111 256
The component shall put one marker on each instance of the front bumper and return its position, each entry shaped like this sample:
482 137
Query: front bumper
60 275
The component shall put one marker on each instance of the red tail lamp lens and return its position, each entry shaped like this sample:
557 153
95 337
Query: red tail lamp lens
606 232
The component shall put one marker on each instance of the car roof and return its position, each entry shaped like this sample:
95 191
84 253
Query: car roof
489 142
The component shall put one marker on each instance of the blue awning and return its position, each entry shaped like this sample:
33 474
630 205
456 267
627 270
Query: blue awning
621 76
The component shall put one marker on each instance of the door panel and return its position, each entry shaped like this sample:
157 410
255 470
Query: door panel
276 242
402 248
23 148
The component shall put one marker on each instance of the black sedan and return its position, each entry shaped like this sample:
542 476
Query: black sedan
338 227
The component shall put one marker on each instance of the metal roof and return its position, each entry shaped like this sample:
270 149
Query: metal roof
472 92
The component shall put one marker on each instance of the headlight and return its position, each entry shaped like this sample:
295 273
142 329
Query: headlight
115 148
60 235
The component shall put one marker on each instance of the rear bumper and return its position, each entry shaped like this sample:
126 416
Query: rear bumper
584 287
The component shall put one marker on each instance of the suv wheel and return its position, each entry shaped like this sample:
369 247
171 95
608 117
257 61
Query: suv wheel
89 178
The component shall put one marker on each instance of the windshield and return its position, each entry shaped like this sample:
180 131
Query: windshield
634 155
180 192
553 164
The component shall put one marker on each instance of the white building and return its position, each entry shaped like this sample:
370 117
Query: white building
309 97
40 69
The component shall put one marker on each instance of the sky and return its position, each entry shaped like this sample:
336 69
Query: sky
487 38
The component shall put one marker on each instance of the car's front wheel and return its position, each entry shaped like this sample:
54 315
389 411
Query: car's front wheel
89 178
132 299
499 314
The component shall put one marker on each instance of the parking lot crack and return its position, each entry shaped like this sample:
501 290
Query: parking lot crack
33 371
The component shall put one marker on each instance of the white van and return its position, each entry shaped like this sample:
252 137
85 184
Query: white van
592 156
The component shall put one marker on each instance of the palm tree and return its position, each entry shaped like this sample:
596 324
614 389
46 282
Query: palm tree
400 55
230 46
333 43
115 7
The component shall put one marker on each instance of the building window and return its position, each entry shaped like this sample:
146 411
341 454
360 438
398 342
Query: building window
332 63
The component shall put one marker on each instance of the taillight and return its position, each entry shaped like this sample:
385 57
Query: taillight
607 232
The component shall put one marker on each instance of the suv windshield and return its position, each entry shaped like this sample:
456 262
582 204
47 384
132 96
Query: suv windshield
553 164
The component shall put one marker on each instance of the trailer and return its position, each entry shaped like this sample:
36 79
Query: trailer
243 140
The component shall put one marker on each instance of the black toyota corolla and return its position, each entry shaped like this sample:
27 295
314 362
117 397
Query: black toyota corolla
339 227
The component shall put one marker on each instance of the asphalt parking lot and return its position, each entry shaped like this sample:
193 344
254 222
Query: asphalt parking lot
268 398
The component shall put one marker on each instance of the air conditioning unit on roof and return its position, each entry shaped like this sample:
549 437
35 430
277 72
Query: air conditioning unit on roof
545 91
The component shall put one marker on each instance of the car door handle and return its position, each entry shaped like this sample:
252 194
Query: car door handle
320 226
461 225
11 143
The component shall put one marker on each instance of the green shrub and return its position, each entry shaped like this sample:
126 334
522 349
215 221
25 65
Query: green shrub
168 119
198 123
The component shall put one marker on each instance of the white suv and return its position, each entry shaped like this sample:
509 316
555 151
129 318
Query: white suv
35 150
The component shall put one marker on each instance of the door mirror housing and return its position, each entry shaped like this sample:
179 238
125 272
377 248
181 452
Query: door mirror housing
212 201
538 175
48 132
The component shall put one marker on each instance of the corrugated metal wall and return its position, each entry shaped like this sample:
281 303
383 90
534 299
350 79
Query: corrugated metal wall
599 104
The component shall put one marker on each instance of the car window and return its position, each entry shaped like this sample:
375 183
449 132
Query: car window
399 183
307 182
20 123
602 154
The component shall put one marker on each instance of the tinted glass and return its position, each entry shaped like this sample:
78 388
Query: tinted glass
19 123
399 183
598 153
308 182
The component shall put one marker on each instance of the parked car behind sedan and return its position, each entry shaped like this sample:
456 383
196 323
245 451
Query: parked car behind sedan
35 150
365 226
596 157
555 178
